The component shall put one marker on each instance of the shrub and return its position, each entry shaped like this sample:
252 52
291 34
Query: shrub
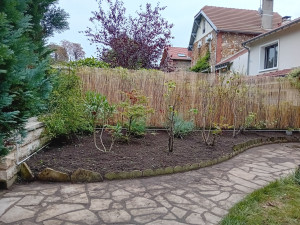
182 127
202 64
294 78
134 110
100 110
138 128
67 114
89 62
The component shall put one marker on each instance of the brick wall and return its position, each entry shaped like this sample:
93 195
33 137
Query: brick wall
221 47
231 44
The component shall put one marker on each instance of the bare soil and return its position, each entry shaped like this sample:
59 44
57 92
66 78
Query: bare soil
149 152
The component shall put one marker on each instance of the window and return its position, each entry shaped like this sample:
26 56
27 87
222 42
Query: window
181 55
271 53
203 31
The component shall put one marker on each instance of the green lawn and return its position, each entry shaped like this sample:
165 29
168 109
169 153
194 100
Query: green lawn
277 203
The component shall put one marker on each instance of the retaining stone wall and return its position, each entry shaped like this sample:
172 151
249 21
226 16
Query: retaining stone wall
32 142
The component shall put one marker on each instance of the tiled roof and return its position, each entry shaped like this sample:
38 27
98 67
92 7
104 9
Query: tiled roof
285 26
233 57
278 73
175 52
238 20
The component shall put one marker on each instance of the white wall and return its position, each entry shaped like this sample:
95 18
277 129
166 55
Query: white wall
239 65
288 51
208 29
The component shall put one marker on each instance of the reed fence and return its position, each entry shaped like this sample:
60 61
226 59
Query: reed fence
274 101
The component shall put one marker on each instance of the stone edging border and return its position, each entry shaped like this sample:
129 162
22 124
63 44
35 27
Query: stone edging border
237 149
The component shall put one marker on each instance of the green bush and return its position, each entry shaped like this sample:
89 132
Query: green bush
138 128
294 78
182 127
67 113
202 64
89 62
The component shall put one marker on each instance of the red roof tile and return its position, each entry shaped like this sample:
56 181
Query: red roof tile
238 20
174 52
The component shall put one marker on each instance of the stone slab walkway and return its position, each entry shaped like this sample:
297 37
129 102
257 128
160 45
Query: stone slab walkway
198 197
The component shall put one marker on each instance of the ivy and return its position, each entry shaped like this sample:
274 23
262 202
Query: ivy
202 64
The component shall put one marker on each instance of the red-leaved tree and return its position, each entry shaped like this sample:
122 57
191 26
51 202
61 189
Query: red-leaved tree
126 41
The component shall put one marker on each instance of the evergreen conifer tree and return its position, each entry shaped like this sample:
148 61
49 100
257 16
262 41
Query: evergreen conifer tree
24 86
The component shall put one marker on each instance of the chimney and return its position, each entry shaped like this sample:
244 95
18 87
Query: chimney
267 14
286 19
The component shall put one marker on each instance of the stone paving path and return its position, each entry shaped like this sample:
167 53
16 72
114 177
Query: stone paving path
198 197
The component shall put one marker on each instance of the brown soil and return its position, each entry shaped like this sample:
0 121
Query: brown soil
149 152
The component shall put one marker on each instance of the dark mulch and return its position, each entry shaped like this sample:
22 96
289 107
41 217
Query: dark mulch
150 152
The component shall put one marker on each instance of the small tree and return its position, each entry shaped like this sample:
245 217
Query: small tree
172 102
135 111
129 42
101 111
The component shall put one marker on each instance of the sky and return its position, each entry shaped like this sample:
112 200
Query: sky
179 12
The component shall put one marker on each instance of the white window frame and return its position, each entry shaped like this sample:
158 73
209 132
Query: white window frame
262 52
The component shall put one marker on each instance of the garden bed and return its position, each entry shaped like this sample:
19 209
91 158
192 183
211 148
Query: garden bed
149 152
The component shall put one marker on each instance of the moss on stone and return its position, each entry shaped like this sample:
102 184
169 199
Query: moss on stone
169 170
148 173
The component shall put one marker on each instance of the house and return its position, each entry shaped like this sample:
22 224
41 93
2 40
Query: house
223 30
175 59
276 52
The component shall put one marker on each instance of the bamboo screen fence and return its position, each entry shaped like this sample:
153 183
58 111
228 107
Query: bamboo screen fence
274 101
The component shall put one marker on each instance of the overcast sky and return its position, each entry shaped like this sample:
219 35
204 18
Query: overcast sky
179 12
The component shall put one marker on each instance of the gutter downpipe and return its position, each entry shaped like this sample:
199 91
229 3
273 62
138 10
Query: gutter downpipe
248 62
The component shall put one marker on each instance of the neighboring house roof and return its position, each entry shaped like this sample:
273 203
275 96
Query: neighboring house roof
232 20
283 27
225 62
176 53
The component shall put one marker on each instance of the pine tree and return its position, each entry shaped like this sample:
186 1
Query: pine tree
24 86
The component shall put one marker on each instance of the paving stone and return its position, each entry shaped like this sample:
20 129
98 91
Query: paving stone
165 222
139 202
100 204
15 194
114 216
71 190
178 212
82 216
194 208
210 192
28 223
31 200
56 210
243 188
16 214
50 191
139 212
52 199
146 218
176 199
212 218
5 203
219 211
117 206
220 197
82 198
169 216
245 183
195 218
53 222
163 201
242 174
235 198
120 195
